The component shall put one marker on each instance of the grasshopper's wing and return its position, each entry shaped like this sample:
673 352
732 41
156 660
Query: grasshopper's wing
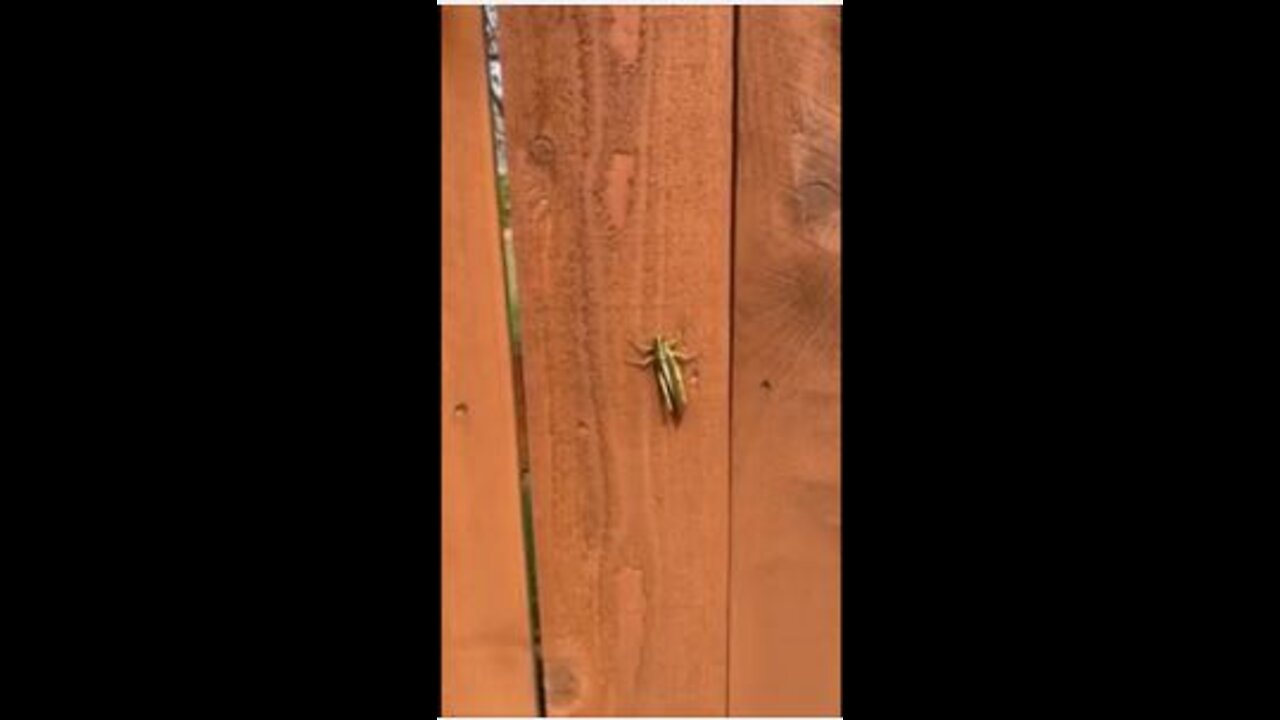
664 388
676 382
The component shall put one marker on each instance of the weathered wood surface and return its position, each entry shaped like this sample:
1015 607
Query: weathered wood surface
620 132
785 614
487 659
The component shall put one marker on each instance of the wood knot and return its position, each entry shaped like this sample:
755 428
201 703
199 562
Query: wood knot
542 150
562 685
818 199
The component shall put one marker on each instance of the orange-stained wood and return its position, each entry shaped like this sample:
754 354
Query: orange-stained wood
620 130
785 615
487 659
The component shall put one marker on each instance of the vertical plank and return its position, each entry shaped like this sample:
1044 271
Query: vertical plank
487 662
785 614
620 130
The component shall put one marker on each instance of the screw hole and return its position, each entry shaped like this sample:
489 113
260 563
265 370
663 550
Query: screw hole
460 410
766 385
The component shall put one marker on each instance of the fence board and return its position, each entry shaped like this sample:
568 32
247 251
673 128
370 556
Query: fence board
620 131
487 661
785 615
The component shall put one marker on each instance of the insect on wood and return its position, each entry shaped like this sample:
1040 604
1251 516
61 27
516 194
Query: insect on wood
665 357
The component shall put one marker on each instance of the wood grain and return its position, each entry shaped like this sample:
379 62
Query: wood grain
487 659
620 129
785 614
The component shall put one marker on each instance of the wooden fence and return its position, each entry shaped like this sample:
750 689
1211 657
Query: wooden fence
673 170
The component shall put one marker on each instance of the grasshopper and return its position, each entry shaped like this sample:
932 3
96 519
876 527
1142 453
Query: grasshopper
665 359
